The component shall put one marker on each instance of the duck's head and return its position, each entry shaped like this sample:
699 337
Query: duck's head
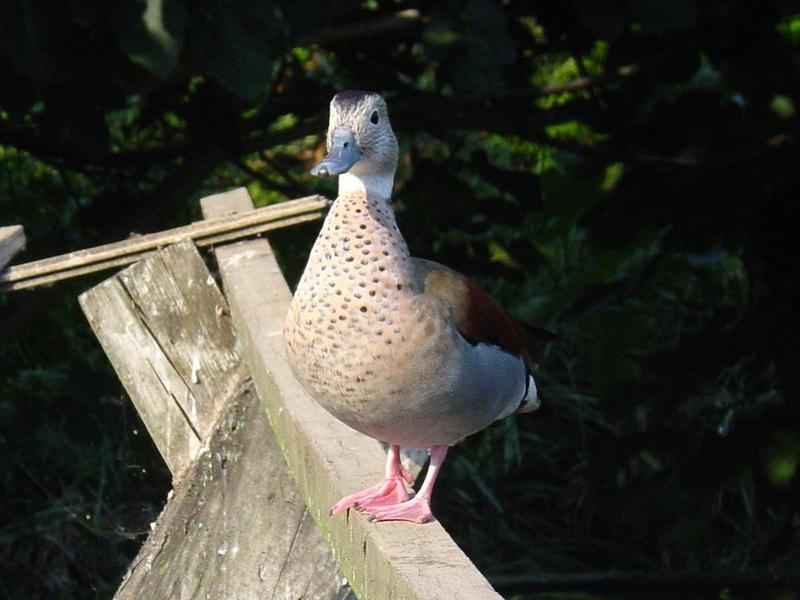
361 142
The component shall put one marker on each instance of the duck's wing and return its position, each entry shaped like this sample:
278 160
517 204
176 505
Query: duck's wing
477 317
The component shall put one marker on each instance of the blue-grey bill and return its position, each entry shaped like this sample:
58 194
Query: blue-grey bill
342 155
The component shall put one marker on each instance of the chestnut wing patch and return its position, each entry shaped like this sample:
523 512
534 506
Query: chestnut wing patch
478 318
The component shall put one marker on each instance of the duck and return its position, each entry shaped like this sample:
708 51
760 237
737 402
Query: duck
401 349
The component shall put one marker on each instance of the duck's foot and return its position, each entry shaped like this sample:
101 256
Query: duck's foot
389 492
416 510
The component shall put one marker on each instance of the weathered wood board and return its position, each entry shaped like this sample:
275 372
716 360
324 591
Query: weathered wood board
236 527
12 240
171 342
384 561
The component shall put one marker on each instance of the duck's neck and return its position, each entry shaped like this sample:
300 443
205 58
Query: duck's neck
364 207
374 185
360 231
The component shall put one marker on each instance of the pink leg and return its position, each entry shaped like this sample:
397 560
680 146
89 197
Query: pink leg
418 509
388 492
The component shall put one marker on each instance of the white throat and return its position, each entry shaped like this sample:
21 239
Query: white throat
372 184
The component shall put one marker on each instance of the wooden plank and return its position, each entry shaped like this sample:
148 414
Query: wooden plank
205 233
164 325
12 240
235 527
383 561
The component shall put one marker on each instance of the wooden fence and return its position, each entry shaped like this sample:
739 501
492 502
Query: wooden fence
255 462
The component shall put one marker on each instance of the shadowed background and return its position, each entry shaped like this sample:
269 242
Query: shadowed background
624 173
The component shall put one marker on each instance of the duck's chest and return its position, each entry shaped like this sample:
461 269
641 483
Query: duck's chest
356 311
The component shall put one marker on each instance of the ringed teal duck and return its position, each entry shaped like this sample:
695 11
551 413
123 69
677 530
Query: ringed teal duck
401 349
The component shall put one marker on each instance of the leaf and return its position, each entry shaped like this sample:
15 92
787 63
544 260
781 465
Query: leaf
150 32
572 193
782 458
239 40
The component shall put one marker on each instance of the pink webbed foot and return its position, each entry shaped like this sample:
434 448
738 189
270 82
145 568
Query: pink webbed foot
390 491
416 510
389 500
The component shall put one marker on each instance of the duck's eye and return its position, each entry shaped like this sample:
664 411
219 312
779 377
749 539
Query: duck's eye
374 117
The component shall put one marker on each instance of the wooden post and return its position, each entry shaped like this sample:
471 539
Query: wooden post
384 561
235 525
12 240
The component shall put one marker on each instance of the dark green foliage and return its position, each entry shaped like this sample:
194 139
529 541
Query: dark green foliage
624 173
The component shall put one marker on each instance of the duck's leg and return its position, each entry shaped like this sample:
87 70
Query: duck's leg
390 491
418 509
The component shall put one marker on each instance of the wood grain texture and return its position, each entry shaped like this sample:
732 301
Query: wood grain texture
228 203
235 527
12 240
164 326
384 561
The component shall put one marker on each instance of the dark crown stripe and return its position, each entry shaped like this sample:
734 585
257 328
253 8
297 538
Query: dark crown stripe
351 97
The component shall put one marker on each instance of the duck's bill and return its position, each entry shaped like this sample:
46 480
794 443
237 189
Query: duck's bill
342 155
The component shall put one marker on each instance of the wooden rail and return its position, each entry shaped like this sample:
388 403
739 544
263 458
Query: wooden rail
384 561
204 233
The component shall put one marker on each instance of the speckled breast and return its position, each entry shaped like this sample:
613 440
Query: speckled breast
352 318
